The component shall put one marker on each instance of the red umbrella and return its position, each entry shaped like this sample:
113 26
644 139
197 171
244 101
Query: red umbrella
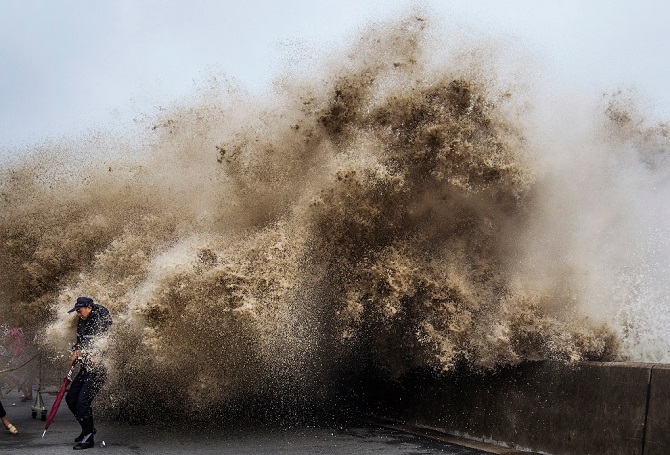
59 398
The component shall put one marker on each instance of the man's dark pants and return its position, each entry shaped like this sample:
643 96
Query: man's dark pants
82 391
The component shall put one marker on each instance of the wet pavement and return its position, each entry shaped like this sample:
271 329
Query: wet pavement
120 438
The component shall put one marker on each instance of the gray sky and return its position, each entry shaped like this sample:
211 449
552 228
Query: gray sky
69 66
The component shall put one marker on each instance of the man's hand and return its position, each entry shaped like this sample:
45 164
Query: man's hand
75 355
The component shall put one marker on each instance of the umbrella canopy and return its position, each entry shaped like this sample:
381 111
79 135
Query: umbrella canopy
59 398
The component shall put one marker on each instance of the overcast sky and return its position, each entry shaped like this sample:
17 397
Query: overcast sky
71 66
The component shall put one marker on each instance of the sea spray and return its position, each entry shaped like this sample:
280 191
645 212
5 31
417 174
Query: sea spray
387 212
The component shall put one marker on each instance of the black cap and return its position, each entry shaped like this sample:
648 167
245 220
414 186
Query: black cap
81 303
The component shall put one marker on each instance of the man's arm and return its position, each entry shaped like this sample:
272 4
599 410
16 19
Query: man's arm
75 355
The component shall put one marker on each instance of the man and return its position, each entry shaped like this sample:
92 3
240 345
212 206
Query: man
94 322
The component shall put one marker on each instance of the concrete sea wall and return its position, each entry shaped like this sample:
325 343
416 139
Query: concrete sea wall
547 407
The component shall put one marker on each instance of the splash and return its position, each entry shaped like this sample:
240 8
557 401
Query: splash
392 209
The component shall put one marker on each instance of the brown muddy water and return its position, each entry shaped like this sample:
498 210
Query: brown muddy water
410 202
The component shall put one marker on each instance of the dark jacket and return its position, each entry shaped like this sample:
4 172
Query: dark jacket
89 331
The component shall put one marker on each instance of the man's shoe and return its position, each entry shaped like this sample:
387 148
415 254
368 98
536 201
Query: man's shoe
82 434
85 443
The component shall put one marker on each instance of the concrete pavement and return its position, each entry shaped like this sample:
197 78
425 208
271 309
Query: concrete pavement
121 439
